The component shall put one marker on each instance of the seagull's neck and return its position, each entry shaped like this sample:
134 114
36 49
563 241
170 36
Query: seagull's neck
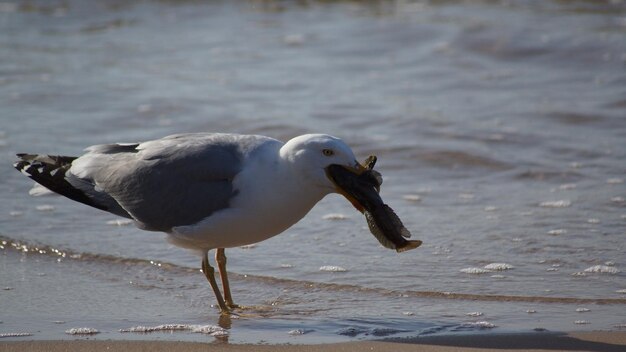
296 186
281 189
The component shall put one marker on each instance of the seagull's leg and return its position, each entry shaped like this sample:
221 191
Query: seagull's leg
220 259
209 272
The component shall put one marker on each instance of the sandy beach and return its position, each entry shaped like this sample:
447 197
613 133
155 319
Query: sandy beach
581 341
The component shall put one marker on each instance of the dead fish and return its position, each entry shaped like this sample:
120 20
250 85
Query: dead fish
362 190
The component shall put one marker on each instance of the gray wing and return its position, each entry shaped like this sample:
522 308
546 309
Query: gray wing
174 181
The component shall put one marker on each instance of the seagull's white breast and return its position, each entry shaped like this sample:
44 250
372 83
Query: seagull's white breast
270 199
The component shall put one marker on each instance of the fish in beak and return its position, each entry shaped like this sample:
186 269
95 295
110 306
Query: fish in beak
361 186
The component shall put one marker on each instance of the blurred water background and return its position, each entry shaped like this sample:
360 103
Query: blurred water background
500 128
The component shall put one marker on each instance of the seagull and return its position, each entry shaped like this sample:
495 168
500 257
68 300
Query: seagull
212 191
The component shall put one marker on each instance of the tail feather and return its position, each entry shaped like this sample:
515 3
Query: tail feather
49 171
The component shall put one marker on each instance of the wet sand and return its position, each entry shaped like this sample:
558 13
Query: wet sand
581 341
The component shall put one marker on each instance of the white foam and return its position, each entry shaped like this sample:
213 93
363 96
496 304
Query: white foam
555 204
332 268
583 310
593 221
209 330
499 266
567 186
531 311
412 197
296 332
475 271
557 232
335 216
474 314
45 207
294 39
481 324
15 334
82 331
602 269
615 181
408 313
120 222
144 108
202 329
622 291
16 213
286 266
618 199
582 322
490 208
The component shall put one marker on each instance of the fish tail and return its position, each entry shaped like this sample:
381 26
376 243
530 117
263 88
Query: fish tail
409 245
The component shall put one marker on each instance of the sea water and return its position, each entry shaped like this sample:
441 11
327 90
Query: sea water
499 127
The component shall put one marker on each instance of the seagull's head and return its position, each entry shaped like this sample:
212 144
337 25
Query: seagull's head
323 160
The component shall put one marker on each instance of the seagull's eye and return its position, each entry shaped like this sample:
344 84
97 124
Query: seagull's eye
328 152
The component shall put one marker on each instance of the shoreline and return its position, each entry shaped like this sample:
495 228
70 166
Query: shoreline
601 341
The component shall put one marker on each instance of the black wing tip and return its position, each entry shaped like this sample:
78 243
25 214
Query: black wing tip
49 171
24 161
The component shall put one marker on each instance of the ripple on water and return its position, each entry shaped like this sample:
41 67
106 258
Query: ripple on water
120 222
354 331
556 204
483 324
335 216
618 199
480 325
45 207
567 186
412 197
